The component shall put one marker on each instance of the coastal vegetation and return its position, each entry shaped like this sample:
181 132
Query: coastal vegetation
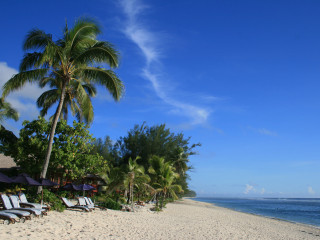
150 163
70 66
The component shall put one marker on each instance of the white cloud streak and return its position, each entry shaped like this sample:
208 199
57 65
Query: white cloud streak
267 132
147 42
263 131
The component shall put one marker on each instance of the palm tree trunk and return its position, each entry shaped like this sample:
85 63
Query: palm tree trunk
53 130
131 193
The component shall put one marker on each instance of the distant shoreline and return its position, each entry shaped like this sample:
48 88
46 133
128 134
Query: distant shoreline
258 215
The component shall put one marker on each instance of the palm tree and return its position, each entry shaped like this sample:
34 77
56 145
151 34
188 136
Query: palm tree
134 175
164 176
6 111
82 111
71 61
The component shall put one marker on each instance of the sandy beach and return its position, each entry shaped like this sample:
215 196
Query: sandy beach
185 219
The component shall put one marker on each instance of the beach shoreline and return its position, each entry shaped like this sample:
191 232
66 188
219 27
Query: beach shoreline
183 219
258 215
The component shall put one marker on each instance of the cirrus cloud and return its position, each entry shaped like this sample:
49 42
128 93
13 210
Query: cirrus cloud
148 42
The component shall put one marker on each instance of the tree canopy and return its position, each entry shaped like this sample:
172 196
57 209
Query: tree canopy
72 155
67 65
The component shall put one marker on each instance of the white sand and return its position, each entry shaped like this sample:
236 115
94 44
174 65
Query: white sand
185 219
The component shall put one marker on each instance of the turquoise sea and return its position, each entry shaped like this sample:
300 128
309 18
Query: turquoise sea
301 210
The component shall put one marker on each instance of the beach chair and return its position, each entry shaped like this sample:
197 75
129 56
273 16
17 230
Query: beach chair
16 206
9 218
82 202
24 203
9 209
90 203
72 206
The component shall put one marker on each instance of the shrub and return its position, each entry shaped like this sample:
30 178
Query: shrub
111 204
52 200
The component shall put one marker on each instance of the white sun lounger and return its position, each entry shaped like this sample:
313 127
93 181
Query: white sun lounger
9 209
90 203
71 205
10 218
82 202
16 206
24 202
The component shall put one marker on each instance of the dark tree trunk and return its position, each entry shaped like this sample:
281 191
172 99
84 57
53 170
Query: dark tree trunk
53 129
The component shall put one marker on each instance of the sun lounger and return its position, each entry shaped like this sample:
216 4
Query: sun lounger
90 203
37 211
9 209
15 205
70 205
9 218
24 202
82 202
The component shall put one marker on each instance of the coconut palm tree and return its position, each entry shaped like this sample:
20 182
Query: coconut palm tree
75 58
134 175
164 176
6 111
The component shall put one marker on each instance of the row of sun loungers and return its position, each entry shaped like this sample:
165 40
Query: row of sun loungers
84 204
18 209
13 212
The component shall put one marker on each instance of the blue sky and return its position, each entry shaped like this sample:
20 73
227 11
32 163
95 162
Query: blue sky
241 77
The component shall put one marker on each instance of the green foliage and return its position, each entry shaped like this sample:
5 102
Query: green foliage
111 204
14 190
163 178
145 141
51 199
71 153
7 141
108 201
7 112
190 193
105 149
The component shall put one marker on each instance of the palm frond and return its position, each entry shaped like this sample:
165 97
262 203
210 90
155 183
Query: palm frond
106 78
84 28
90 89
48 98
36 39
85 103
100 52
29 61
20 79
6 111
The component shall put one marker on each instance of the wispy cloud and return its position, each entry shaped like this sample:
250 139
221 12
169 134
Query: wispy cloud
311 191
263 131
148 42
267 132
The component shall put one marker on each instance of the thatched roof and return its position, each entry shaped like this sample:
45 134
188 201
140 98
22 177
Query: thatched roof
6 162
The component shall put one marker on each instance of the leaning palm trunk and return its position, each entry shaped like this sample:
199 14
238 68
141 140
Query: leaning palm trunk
53 130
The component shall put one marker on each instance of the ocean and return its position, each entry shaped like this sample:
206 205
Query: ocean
301 210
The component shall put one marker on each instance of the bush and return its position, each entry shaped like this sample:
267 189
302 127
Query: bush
52 200
111 204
